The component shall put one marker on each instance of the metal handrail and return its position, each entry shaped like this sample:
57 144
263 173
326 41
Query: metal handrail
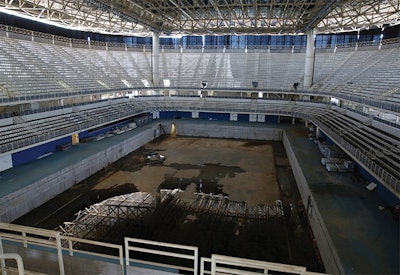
73 41
190 254
12 256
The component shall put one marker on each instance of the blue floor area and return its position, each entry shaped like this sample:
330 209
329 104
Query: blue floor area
366 238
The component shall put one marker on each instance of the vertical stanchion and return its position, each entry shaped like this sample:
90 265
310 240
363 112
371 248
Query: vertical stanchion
126 253
196 261
2 260
60 254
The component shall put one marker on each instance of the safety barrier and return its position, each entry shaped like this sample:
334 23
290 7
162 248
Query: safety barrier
164 249
56 39
240 266
47 251
32 242
71 244
32 236
12 256
391 182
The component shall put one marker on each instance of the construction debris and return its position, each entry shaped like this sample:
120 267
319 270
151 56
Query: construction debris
107 213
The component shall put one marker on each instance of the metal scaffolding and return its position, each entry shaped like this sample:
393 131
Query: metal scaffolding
99 217
221 205
141 17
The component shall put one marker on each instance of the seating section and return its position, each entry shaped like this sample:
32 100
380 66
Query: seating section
373 146
377 150
234 70
367 75
27 133
362 74
32 68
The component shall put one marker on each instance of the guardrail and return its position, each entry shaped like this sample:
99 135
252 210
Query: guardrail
34 236
238 266
52 242
65 248
181 252
12 256
50 38
70 244
391 182
373 102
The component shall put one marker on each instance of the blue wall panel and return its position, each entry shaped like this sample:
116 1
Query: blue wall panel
243 117
83 134
215 116
271 119
171 115
37 151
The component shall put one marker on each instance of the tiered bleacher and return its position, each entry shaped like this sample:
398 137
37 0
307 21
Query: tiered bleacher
25 133
364 75
33 68
45 69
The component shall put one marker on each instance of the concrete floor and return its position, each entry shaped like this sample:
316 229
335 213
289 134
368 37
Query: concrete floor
365 237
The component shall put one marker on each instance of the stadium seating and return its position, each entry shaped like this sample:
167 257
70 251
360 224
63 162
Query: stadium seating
31 68
26 133
365 73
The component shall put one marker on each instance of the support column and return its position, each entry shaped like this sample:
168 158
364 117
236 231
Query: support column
155 56
309 64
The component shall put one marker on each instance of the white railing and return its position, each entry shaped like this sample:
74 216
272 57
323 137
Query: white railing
203 269
34 236
71 242
12 256
164 249
232 265
61 250
391 182
53 39
53 242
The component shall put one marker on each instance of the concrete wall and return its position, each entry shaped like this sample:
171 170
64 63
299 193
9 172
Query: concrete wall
326 248
22 201
199 129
